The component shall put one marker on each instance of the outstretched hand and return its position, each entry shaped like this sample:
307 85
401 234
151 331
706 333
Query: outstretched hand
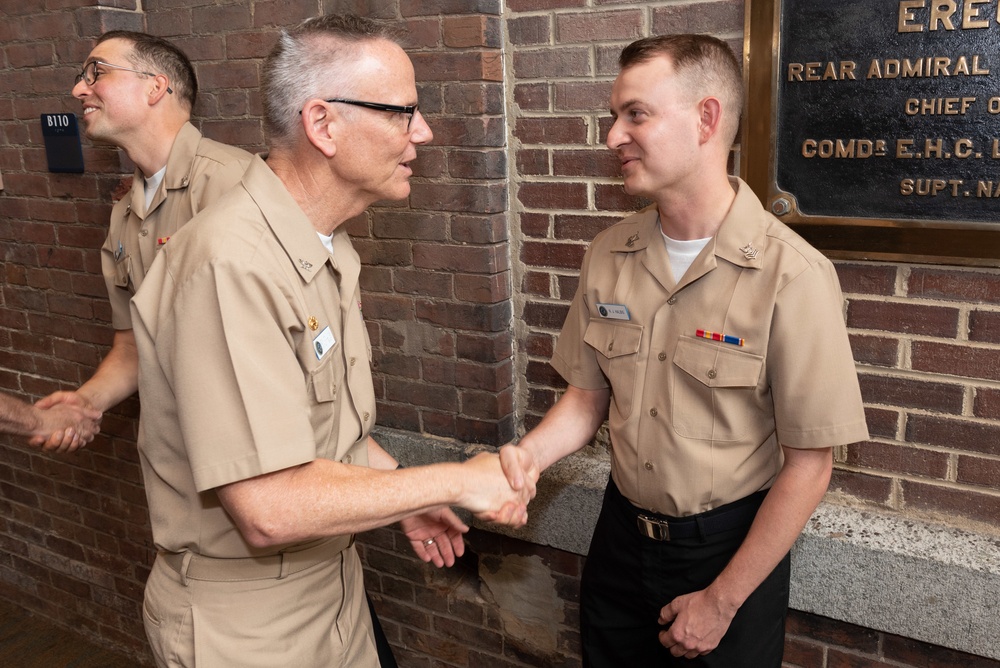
521 470
489 495
64 426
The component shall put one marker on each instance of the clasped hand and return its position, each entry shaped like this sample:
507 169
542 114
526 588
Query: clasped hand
67 422
492 491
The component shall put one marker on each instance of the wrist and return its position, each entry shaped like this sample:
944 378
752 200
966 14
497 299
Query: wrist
725 598
90 398
36 422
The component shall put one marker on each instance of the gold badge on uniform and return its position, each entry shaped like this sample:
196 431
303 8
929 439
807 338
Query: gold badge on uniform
313 323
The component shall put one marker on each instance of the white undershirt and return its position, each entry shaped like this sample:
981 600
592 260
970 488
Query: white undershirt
682 253
327 241
152 184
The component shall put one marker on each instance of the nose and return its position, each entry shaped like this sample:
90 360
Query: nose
80 89
420 132
616 135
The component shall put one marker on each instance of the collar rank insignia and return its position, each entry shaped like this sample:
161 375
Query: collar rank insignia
305 265
749 252
631 240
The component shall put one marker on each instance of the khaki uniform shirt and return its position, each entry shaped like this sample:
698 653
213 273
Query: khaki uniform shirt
198 171
696 423
253 357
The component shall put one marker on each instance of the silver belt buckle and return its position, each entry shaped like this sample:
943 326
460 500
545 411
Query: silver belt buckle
653 528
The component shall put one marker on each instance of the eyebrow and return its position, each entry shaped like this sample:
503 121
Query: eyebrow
625 106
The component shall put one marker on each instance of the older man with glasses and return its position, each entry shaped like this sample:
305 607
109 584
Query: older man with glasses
137 92
255 380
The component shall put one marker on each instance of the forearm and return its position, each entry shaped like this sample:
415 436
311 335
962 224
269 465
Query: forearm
797 491
117 376
568 426
326 498
17 417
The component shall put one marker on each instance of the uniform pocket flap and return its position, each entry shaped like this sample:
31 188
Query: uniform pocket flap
716 365
324 379
613 339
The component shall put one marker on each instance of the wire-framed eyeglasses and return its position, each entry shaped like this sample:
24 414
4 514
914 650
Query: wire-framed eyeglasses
410 109
89 72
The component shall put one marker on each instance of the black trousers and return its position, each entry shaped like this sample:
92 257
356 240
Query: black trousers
628 578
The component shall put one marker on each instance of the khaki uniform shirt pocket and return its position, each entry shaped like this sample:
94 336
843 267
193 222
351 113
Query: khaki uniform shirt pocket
328 382
123 270
617 347
714 391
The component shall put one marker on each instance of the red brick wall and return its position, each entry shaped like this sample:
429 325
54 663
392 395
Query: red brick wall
927 340
464 290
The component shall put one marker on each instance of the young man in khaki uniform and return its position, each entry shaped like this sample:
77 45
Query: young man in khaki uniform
256 383
137 92
712 339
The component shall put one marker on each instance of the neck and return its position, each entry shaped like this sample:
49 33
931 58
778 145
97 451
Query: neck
309 181
150 150
696 212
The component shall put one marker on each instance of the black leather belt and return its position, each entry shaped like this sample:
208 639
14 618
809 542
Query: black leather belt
731 516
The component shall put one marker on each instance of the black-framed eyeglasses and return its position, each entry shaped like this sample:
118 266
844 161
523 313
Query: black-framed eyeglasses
89 72
410 109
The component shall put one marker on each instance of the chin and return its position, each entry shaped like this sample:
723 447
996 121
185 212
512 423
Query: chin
633 190
402 192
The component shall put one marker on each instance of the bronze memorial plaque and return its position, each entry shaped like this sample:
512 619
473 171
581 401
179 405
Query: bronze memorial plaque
873 126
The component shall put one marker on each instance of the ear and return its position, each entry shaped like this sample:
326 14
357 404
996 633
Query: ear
710 118
161 88
319 125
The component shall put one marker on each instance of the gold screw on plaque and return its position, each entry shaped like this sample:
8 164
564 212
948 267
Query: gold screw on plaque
313 323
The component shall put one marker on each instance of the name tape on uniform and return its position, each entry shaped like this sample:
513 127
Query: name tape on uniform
613 311
323 343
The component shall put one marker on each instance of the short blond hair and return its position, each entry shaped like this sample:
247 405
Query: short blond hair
705 64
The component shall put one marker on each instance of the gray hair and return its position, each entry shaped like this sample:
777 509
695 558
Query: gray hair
312 60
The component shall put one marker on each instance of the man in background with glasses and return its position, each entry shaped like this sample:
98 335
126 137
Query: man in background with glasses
256 381
137 92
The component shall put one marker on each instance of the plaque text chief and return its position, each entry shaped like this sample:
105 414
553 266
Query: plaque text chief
921 15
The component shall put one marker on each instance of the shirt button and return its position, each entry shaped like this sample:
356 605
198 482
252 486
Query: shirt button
672 300
711 373
648 466
366 416
661 356
143 233
353 360
611 346
653 412
348 459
